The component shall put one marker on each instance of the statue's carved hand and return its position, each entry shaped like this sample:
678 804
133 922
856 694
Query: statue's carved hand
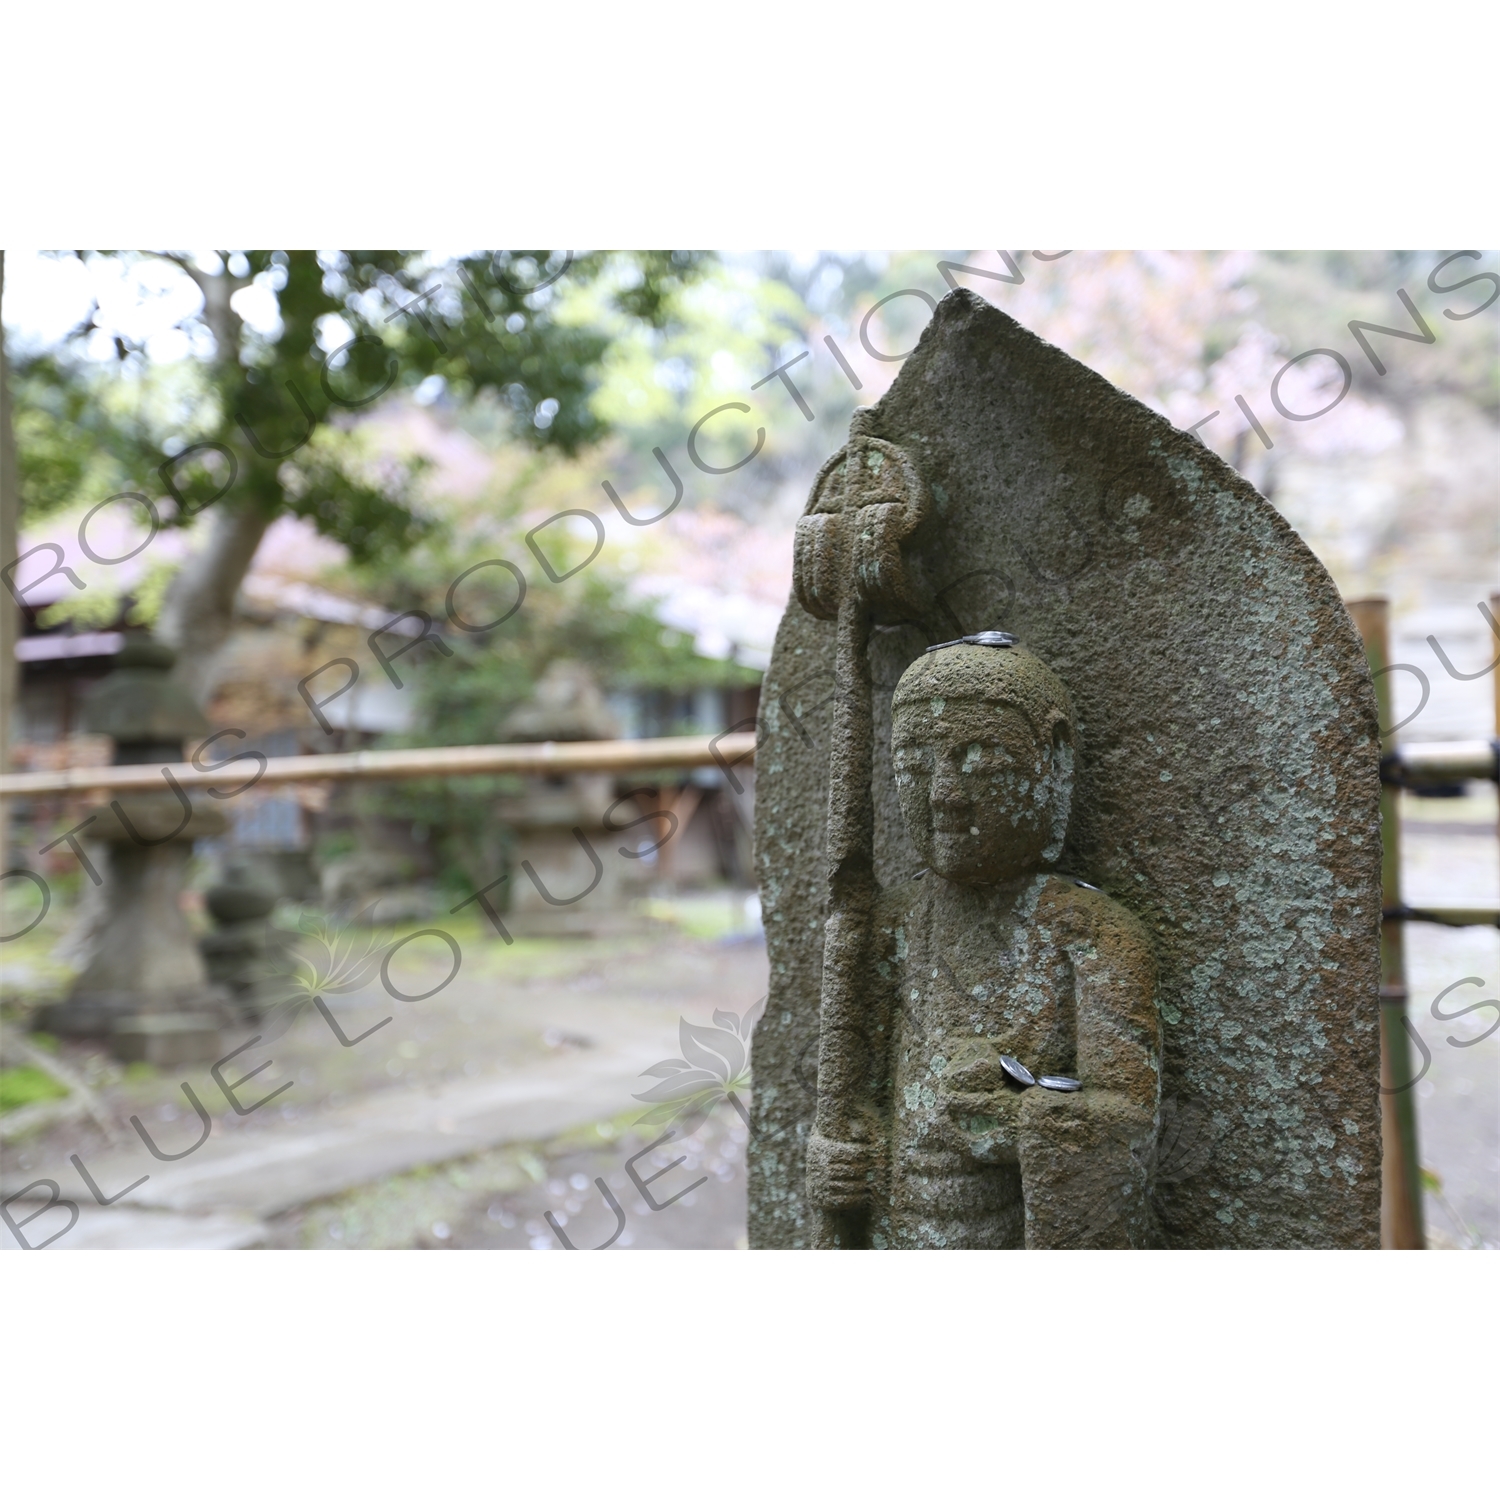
976 1071
978 1103
839 1173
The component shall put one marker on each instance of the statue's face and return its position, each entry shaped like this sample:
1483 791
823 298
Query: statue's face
985 796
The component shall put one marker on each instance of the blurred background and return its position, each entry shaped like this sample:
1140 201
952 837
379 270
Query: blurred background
337 447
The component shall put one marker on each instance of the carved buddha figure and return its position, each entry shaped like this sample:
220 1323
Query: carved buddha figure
992 954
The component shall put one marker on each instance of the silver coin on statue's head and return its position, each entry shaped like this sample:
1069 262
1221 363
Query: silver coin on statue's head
997 638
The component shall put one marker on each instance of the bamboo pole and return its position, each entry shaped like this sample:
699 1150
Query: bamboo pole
553 758
1401 1186
1445 761
1446 916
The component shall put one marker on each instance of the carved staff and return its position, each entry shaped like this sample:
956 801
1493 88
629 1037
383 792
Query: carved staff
848 566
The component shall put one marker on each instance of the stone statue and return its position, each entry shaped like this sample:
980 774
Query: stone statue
1067 830
999 980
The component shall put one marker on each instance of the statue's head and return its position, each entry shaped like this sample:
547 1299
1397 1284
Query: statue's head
982 741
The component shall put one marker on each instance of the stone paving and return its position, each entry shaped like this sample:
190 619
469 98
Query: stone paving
500 1199
499 1072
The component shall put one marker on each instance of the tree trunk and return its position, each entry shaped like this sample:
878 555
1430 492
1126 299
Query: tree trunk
199 610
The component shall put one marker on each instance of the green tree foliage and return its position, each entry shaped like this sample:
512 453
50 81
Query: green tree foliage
288 350
478 323
73 443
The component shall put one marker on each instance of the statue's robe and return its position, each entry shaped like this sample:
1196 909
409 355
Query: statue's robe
1061 978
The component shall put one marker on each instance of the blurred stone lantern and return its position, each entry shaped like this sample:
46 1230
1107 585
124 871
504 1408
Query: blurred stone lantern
565 875
145 988
244 954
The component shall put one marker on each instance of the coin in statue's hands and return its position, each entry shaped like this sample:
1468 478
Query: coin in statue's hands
1017 1072
1062 1085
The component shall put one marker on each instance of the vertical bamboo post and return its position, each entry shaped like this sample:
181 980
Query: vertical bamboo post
1495 681
1401 1184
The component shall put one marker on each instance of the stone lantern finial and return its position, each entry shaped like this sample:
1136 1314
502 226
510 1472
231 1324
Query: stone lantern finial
141 707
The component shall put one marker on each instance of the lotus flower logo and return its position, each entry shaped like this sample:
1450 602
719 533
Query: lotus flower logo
326 961
1184 1146
714 1066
